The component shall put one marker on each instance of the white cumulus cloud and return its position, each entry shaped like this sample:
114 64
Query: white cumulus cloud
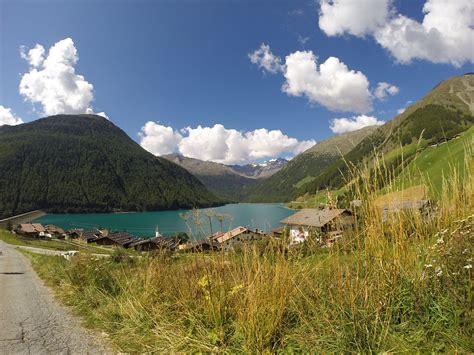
331 84
220 144
159 139
445 35
265 59
35 56
52 81
343 125
384 89
356 17
8 118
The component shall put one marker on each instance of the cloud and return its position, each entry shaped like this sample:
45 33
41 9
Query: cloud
445 34
35 56
52 81
331 84
343 125
265 59
8 118
159 139
358 18
403 109
220 144
302 40
295 12
384 89
103 114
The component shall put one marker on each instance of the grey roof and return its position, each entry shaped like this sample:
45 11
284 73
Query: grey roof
121 238
313 217
89 235
160 242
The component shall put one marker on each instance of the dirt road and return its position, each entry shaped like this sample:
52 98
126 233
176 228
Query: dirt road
31 321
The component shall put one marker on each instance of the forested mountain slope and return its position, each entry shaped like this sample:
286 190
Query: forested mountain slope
84 163
283 185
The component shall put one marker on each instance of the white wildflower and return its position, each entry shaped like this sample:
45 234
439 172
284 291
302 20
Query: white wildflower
469 266
428 265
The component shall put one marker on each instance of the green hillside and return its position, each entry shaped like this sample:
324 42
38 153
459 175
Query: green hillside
302 169
438 117
84 163
434 164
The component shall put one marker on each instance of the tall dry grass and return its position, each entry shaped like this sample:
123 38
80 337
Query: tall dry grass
402 284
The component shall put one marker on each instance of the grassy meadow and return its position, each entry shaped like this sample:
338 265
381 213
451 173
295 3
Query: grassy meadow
398 285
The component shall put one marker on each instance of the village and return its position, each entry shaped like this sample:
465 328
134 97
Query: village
324 226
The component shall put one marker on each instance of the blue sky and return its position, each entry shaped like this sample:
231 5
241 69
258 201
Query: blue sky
185 63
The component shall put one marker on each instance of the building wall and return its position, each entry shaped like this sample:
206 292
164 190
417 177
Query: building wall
298 234
105 241
240 239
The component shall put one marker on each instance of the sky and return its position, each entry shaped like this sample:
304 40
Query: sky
226 80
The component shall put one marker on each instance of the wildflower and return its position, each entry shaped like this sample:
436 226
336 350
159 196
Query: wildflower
468 266
203 282
438 271
236 289
440 240
428 265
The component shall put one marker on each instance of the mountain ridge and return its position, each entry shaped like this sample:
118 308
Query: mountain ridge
444 112
84 163
282 186
230 182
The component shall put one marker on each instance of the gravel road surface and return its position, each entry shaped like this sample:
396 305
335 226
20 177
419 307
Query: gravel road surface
31 321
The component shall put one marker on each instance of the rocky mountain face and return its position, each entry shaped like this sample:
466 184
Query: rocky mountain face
230 182
260 170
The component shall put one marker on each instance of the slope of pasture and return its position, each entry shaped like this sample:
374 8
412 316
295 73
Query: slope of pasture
434 164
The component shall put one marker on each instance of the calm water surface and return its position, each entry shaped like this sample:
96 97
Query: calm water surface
255 215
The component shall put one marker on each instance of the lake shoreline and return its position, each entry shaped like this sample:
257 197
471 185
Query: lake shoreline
264 216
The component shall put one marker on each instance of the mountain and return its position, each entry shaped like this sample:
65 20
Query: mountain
283 185
221 179
84 163
262 170
445 112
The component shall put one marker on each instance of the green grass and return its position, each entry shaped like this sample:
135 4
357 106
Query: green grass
13 239
436 164
397 285
318 199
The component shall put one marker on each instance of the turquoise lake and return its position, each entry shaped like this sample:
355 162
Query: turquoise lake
264 216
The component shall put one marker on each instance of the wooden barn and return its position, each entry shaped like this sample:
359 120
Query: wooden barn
121 239
200 246
31 230
156 243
